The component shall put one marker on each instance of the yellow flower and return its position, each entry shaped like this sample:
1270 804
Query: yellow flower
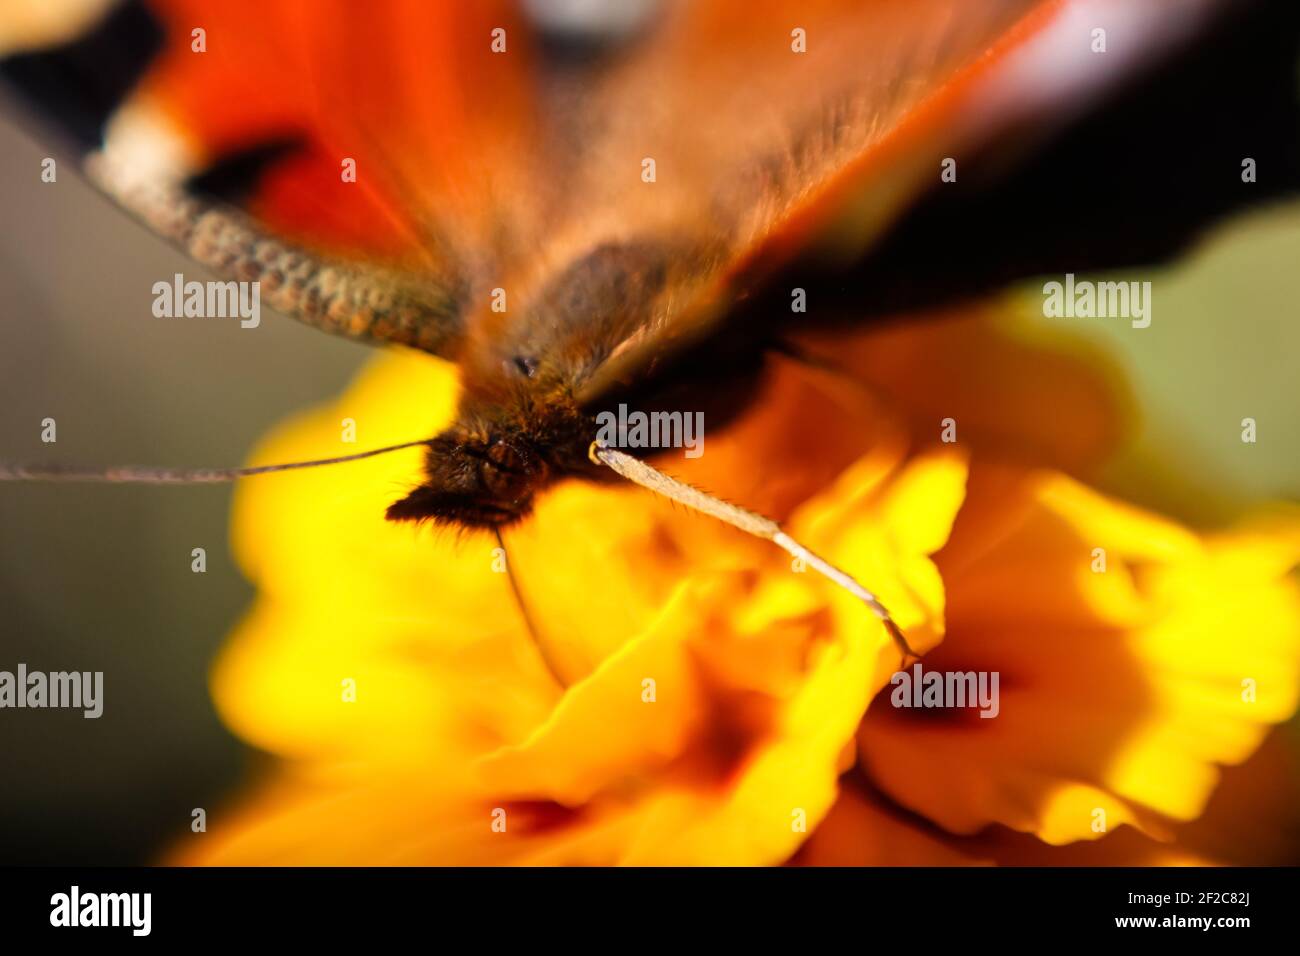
1133 657
711 698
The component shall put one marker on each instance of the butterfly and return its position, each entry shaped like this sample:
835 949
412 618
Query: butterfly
590 206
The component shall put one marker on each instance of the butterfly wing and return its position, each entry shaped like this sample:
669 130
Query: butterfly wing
410 154
838 143
781 124
382 138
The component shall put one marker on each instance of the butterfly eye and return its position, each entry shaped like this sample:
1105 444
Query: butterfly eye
527 366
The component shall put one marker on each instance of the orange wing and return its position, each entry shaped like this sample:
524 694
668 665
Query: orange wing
769 126
782 124
409 90
399 129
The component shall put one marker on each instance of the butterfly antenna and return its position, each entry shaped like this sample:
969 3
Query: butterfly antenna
637 471
524 613
144 475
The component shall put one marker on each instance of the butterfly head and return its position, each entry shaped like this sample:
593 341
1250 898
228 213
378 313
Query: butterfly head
476 481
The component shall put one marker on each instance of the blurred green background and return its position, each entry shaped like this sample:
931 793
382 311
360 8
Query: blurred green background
98 578
1223 345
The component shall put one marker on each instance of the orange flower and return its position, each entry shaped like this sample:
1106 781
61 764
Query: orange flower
711 698
1134 656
